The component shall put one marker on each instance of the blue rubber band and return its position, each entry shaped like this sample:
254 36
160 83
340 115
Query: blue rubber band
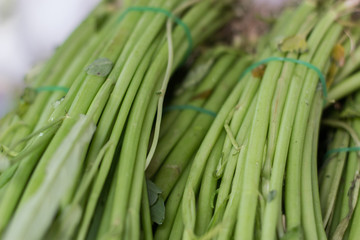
169 15
52 89
339 150
284 59
190 107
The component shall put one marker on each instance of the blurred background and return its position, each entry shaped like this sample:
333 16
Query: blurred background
30 30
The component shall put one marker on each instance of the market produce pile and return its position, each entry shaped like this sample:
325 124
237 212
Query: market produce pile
262 145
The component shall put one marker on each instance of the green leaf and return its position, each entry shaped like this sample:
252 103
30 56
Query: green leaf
271 196
156 202
295 44
157 211
26 100
29 95
33 217
100 67
195 76
153 192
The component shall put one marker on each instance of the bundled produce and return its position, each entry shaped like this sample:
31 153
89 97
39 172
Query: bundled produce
339 176
262 137
74 151
95 151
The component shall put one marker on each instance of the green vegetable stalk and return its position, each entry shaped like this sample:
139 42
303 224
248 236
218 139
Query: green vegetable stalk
120 65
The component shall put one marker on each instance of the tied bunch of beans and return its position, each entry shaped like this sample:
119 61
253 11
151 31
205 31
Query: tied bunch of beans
94 150
339 173
73 153
254 175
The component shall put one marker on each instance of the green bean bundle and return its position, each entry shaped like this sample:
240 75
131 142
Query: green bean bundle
339 175
249 178
74 153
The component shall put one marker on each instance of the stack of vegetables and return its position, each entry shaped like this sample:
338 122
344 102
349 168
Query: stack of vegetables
339 172
93 150
254 175
73 153
339 175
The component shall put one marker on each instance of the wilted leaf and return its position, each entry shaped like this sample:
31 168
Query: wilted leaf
203 95
100 67
157 211
338 54
153 192
330 77
259 71
295 44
